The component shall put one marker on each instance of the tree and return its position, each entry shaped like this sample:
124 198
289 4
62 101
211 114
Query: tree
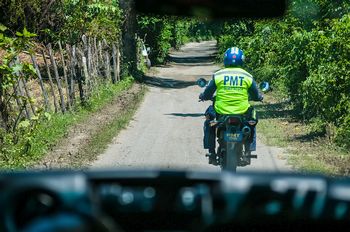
129 53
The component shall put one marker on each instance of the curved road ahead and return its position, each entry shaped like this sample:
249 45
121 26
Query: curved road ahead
167 129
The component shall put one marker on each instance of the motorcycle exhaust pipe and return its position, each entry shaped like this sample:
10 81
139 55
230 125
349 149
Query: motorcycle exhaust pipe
246 130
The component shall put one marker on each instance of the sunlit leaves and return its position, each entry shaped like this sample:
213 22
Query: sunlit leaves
2 27
98 18
25 34
306 56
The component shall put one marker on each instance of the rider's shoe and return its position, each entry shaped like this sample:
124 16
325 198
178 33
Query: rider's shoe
213 159
243 162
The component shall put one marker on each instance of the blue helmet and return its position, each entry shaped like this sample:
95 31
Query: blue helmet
233 57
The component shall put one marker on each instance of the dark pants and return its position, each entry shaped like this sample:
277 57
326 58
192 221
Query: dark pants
210 132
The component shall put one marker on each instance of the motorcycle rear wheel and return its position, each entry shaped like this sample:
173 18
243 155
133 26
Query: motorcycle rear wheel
230 158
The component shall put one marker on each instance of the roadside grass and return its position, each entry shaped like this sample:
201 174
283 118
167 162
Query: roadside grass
105 134
308 152
51 129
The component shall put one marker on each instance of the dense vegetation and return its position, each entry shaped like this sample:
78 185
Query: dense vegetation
163 33
306 57
66 20
26 26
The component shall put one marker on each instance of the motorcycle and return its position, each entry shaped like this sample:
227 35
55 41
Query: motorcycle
234 134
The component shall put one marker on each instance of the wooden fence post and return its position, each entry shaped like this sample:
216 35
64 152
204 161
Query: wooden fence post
85 68
115 69
50 81
4 107
107 61
108 68
93 80
21 106
53 62
20 92
86 62
73 72
100 57
29 97
65 74
118 63
80 80
89 56
95 55
23 85
19 101
46 100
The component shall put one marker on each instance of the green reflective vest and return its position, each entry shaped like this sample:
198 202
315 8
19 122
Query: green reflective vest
232 86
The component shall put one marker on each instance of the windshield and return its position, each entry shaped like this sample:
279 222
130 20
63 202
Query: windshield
94 84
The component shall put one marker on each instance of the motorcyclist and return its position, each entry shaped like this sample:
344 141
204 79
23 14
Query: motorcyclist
234 88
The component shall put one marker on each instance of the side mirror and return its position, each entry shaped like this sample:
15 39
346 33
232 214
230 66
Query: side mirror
201 82
264 86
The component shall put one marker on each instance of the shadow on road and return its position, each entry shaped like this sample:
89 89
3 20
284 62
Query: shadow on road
309 136
201 56
167 83
193 64
185 115
275 110
192 60
284 111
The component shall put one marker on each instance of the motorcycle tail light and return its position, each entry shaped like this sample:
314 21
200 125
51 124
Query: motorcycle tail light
233 121
252 122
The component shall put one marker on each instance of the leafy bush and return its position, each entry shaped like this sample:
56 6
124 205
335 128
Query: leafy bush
180 32
65 20
100 18
163 33
305 56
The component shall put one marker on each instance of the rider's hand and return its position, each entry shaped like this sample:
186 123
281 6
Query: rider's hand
201 97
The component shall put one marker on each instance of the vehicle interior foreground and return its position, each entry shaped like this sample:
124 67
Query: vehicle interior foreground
153 200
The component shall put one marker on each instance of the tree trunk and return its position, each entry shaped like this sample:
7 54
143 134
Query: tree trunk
129 55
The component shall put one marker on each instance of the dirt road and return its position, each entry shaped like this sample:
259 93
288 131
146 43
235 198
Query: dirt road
167 130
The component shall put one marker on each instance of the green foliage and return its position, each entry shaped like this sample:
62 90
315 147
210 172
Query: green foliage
16 135
158 34
23 140
180 32
15 146
22 13
163 33
11 71
12 47
33 138
201 30
305 56
101 19
65 20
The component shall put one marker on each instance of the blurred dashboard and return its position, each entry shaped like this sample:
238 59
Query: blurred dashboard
156 200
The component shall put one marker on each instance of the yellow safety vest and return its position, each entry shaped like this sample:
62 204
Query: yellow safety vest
232 86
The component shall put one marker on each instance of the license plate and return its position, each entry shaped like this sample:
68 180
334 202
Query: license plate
233 137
